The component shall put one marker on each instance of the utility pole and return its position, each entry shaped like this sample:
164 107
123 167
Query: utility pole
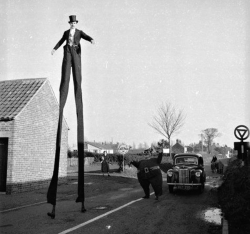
201 142
201 135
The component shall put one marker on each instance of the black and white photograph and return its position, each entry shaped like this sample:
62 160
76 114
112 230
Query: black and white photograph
125 116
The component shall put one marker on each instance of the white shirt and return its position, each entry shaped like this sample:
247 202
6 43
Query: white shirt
71 36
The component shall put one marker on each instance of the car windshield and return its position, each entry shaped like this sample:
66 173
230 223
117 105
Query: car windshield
186 160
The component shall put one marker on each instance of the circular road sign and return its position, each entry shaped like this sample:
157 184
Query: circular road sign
123 149
241 132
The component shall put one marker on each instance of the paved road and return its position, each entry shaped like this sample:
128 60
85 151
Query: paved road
178 213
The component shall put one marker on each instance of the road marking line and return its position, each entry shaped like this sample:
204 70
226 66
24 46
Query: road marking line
33 204
100 216
20 207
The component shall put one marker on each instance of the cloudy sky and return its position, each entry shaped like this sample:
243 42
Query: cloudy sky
191 53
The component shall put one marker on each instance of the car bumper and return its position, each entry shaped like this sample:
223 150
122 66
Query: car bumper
185 184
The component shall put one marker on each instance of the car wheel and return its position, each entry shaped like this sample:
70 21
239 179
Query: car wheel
171 188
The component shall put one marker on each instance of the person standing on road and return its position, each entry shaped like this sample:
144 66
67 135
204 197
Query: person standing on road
105 164
148 173
214 164
214 159
71 60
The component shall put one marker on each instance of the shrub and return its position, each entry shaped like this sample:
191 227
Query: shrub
234 193
118 158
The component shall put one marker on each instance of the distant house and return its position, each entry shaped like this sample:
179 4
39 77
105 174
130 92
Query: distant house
178 147
28 125
189 149
95 147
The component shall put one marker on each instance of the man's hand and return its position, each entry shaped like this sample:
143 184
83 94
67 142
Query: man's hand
92 42
160 150
53 51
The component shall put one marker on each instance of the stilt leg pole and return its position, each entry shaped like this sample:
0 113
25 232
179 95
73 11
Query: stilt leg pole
53 212
83 208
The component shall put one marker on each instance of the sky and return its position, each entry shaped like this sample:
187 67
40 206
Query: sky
193 54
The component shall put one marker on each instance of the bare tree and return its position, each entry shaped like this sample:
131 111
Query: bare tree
168 121
209 135
146 145
140 146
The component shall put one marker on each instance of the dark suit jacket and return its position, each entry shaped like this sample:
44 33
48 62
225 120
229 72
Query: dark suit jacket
151 162
77 37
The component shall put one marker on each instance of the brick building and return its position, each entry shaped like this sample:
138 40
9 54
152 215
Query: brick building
178 147
28 123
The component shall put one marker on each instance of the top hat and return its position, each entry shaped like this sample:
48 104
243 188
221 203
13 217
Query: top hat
72 18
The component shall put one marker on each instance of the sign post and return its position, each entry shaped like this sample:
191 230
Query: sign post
123 149
241 132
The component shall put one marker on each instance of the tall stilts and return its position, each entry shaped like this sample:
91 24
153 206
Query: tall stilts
71 60
83 208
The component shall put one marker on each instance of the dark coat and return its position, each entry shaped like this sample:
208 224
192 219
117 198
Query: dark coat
105 166
214 159
147 176
77 37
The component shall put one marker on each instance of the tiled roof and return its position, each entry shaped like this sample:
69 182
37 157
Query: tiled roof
15 94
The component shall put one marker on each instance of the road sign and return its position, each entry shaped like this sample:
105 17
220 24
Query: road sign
241 132
165 151
123 149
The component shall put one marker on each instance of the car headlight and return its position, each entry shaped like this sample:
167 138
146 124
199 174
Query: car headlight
170 173
198 173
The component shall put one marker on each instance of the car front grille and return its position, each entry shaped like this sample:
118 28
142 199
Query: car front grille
183 176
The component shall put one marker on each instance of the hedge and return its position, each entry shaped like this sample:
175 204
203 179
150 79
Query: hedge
118 158
234 193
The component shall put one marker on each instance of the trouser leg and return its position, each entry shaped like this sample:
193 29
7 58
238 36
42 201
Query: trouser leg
64 86
156 183
77 77
145 185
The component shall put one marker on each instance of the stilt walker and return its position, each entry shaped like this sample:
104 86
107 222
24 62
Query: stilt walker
71 59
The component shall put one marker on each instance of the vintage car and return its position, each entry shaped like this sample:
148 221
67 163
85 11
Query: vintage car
187 172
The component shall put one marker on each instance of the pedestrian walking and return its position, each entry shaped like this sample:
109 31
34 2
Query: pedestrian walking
71 60
214 159
214 164
105 164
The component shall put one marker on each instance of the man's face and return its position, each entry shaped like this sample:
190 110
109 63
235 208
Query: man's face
72 25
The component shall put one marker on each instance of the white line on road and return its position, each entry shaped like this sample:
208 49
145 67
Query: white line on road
20 207
33 204
100 216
